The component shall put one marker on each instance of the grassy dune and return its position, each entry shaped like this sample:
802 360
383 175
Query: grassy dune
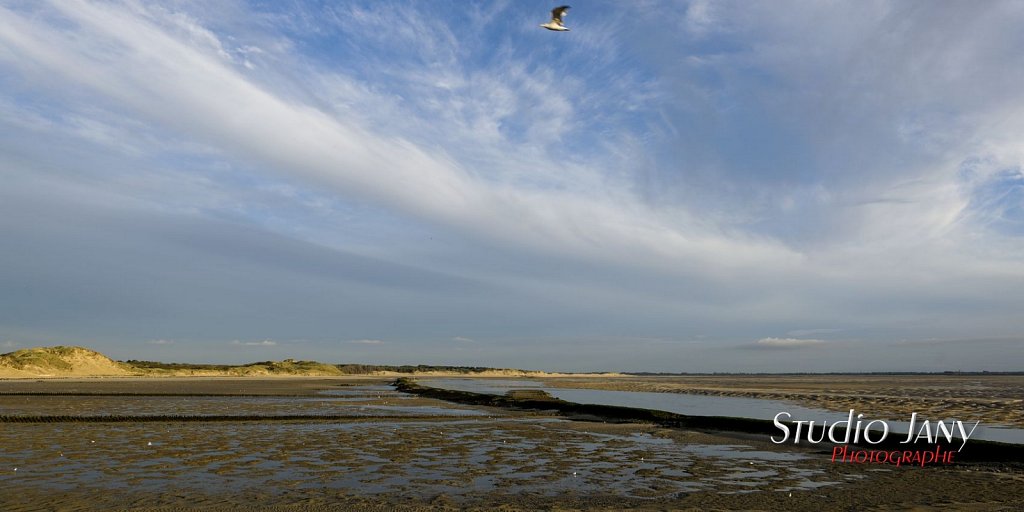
60 361
82 362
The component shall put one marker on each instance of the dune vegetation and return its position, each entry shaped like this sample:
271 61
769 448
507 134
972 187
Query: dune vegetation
62 361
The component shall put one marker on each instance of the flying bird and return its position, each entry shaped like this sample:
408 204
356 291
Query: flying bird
556 19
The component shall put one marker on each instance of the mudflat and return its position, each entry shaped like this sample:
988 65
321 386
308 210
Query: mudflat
356 444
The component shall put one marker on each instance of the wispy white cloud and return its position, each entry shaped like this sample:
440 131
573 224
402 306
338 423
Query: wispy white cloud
783 165
205 96
367 342
700 17
160 342
263 343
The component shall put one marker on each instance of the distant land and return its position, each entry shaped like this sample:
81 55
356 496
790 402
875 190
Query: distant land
61 361
71 362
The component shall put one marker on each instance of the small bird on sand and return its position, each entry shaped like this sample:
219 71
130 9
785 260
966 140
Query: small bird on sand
556 19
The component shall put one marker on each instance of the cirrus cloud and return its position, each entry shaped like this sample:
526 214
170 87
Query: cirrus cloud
212 171
263 343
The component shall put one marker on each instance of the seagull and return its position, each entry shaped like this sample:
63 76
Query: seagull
556 19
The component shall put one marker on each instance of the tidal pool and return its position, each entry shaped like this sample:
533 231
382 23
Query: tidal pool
701 405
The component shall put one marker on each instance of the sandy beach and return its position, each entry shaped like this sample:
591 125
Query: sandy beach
376 449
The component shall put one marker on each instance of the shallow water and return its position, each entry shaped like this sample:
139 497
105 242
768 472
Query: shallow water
702 405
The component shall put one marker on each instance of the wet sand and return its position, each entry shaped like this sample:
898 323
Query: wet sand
438 456
231 386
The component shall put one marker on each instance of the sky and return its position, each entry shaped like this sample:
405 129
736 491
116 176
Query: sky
670 186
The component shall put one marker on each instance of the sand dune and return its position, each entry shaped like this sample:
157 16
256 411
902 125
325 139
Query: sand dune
60 362
64 362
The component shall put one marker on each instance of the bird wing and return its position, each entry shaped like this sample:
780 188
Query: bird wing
558 12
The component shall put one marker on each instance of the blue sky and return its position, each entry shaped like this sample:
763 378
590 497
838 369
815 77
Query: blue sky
671 186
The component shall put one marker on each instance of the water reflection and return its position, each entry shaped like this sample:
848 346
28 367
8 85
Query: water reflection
702 405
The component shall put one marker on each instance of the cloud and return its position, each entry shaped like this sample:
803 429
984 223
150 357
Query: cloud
442 172
700 17
367 342
264 343
463 339
203 95
160 342
786 343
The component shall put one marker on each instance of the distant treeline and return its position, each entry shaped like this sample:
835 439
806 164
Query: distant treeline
369 368
178 366
350 369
